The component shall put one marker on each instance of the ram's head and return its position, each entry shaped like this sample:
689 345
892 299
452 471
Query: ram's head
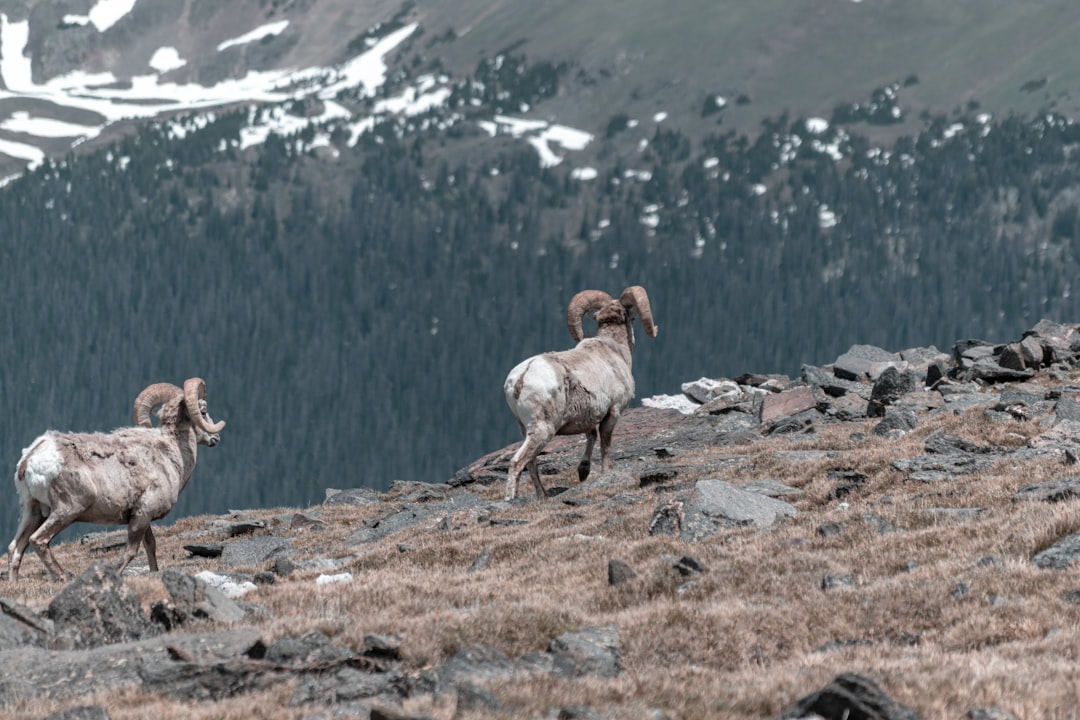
634 301
176 404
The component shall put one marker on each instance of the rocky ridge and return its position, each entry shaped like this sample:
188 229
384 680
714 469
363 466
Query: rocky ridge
202 644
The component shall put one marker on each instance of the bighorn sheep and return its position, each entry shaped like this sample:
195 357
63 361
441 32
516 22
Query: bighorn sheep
130 476
578 391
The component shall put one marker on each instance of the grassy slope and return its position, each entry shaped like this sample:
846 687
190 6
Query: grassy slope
946 612
804 57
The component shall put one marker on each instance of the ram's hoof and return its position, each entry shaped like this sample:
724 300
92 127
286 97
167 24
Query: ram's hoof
583 471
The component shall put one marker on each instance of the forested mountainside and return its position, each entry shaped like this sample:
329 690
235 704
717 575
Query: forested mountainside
354 294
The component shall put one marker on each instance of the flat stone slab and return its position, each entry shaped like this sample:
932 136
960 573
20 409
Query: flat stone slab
856 363
787 403
1051 491
717 505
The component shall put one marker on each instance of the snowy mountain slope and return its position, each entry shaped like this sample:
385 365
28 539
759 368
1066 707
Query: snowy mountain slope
72 69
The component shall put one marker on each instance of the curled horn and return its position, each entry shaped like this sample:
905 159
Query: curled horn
636 297
150 398
194 391
580 304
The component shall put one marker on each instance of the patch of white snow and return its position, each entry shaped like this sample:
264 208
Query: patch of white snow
274 28
107 13
167 58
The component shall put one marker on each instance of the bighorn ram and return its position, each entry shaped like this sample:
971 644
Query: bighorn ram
130 476
578 391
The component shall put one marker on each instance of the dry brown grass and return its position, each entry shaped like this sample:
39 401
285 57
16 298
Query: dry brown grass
945 613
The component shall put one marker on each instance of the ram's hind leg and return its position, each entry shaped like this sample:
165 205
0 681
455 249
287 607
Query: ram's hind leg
31 521
150 542
44 535
607 427
535 440
586 461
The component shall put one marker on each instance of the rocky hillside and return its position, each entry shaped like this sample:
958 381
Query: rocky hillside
888 536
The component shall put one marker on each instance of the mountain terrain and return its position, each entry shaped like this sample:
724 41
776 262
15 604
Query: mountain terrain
889 535
353 220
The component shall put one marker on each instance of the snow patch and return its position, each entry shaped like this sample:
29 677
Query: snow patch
109 12
539 134
147 97
671 402
23 122
166 59
274 28
225 584
331 579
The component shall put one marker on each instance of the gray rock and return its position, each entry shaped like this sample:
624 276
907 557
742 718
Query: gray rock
345 684
246 527
832 385
97 608
355 496
387 647
193 598
788 403
923 357
687 565
896 422
829 529
474 698
481 561
208 551
62 674
770 487
942 443
1061 554
619 572
935 468
942 515
967 352
378 711
880 525
82 712
1013 357
831 581
668 518
1067 408
988 369
578 712
855 363
803 422
255 551
476 664
889 387
20 626
1051 491
1064 434
850 407
850 696
1056 339
990 713
716 505
590 651
312 648
705 390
